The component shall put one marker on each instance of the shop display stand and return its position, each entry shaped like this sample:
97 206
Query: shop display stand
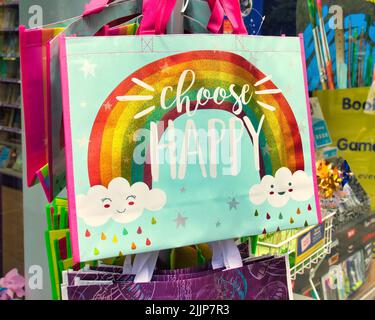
315 258
312 276
318 256
367 292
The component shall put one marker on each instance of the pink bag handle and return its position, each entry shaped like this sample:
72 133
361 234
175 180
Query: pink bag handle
95 6
156 14
233 11
150 10
166 13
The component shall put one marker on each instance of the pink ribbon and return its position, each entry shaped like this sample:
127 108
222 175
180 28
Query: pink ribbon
230 8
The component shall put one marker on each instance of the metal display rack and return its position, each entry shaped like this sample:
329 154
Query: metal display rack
290 245
320 253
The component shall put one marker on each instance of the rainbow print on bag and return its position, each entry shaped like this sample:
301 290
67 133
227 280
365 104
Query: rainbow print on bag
120 117
192 147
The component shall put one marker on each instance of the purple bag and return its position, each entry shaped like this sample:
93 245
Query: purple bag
115 273
258 280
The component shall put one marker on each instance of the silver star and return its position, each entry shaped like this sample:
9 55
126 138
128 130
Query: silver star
233 204
83 104
180 220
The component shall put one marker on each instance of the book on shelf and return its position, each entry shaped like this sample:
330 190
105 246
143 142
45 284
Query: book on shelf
9 45
8 17
5 117
16 121
14 138
9 94
9 69
17 166
4 156
10 138
11 158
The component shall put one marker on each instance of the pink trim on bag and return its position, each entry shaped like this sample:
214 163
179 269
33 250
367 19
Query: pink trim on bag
95 6
49 124
69 150
45 188
312 143
33 116
115 31
102 32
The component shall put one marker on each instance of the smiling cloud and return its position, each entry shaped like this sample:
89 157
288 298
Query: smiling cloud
121 202
284 186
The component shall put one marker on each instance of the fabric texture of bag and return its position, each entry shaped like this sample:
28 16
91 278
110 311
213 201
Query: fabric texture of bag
265 279
198 137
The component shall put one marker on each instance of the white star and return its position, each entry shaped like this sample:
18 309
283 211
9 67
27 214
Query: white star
302 128
164 67
252 57
83 142
107 106
288 89
292 64
88 68
216 48
83 104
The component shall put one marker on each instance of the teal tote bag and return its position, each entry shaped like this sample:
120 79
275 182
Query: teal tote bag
185 139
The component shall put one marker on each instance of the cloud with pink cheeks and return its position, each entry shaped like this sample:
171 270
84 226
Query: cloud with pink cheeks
120 202
278 190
